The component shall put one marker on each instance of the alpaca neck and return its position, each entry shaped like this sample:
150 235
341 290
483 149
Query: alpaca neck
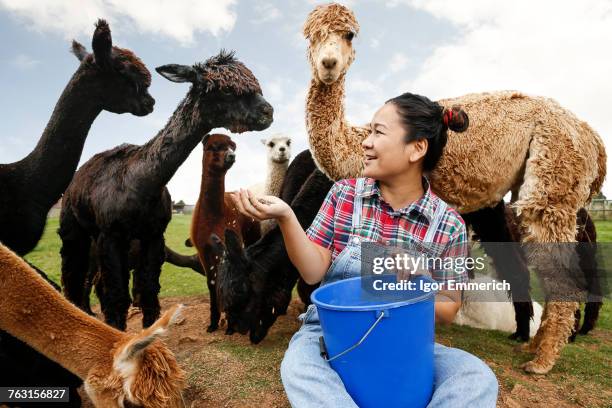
49 168
212 192
275 176
34 312
161 157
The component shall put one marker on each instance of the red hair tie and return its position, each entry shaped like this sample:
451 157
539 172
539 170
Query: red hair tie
448 116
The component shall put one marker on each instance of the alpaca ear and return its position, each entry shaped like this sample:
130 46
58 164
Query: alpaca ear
178 73
135 347
264 141
205 139
102 43
78 50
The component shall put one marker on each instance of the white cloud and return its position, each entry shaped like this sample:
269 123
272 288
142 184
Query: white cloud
23 62
179 20
544 48
265 12
399 61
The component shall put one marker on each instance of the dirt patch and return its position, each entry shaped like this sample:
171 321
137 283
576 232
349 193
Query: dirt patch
227 371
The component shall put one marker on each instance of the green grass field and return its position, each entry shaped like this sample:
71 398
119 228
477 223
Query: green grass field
580 378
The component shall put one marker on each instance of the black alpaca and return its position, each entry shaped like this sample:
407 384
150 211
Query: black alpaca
119 196
111 79
266 264
500 224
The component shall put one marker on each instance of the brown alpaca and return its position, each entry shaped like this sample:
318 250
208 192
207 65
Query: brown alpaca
531 146
213 213
117 368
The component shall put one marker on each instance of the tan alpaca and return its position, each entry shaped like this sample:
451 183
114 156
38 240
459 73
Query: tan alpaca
117 368
531 146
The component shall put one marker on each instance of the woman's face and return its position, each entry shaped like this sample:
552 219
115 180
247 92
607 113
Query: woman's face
386 154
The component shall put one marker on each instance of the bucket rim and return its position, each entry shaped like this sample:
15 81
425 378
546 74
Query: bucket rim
367 308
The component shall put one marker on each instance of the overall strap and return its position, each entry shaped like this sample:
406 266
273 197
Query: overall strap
358 203
436 220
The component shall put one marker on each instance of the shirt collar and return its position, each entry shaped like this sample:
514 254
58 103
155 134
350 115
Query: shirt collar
424 205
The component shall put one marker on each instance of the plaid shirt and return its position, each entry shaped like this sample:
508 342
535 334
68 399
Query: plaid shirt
380 223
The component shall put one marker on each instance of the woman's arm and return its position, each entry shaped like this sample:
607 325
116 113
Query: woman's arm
447 305
310 259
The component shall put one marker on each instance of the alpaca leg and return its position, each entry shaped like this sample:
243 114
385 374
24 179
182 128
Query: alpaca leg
215 315
493 226
555 331
553 263
114 280
75 258
211 281
591 314
146 279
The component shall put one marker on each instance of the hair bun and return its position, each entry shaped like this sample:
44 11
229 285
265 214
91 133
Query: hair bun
455 119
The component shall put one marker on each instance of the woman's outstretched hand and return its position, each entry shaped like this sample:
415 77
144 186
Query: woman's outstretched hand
260 208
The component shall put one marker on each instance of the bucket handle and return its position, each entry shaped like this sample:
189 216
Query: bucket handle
323 348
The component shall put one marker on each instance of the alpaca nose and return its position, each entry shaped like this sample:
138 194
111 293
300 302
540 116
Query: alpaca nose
329 62
281 149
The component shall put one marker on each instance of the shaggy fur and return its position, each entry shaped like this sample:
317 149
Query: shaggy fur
266 264
514 143
24 366
115 366
213 213
119 196
111 79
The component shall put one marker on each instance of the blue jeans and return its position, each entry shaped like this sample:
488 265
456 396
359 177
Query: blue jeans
461 379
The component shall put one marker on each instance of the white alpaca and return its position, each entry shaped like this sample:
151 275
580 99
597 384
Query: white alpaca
279 153
495 314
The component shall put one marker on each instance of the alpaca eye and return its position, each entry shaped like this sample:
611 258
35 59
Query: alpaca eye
271 144
349 36
288 143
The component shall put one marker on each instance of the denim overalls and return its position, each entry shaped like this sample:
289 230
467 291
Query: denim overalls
461 379
348 262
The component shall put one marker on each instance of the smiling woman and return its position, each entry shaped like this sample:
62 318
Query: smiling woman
392 204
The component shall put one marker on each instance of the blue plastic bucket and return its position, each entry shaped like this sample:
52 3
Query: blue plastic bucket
382 347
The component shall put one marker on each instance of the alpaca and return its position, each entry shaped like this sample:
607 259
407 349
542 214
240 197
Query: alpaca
111 79
490 314
118 369
119 195
265 264
279 153
25 367
514 143
500 224
213 213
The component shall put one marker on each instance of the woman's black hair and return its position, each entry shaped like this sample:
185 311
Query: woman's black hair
424 119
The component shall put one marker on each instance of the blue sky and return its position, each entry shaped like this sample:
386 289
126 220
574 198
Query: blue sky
439 48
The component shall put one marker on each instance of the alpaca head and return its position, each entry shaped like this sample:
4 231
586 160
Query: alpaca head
219 153
330 28
233 285
279 148
118 77
144 372
225 92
